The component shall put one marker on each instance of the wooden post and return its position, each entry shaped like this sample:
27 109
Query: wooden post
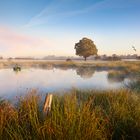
47 104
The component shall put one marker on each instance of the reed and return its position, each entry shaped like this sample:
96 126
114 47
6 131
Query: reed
121 65
74 115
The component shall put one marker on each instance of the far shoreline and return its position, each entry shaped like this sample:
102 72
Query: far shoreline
128 66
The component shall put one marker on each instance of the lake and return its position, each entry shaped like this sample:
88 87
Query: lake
56 80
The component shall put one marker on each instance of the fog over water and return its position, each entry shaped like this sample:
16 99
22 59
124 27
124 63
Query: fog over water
56 80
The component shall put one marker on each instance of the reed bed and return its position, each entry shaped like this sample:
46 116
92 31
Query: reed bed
75 115
128 66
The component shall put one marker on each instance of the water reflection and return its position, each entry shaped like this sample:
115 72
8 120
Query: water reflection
16 71
47 67
85 72
50 79
115 76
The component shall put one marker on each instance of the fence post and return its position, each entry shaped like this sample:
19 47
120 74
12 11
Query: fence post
47 104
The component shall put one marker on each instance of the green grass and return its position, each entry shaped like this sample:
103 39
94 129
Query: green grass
76 115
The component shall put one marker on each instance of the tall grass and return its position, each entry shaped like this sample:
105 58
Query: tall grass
129 66
76 115
134 86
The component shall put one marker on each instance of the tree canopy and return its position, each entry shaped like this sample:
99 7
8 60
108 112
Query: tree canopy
85 47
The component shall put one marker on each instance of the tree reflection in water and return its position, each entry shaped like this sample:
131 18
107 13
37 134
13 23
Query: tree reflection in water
85 72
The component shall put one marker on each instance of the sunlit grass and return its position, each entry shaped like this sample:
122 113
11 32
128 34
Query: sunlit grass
119 65
77 115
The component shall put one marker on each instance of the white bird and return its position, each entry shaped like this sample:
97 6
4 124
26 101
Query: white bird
134 48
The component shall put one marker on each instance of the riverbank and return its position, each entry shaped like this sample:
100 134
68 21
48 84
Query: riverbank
75 115
131 66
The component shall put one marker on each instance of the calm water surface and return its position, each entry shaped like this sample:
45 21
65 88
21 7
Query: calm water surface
54 80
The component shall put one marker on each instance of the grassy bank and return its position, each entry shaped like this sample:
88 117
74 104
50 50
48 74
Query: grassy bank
76 115
128 65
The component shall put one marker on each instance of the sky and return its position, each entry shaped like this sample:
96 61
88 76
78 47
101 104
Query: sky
52 27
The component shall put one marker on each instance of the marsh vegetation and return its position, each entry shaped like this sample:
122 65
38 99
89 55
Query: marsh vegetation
76 114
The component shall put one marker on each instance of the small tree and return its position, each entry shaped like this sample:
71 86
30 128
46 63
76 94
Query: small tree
86 48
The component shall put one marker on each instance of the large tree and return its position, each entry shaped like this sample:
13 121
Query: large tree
85 47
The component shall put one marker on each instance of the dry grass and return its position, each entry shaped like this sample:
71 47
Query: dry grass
76 115
121 65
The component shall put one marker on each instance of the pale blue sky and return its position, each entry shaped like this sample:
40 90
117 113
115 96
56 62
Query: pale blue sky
52 27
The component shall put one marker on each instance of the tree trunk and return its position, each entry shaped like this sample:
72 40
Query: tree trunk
85 58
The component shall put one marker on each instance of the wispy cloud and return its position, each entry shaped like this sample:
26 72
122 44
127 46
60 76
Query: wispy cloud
15 38
54 10
15 41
